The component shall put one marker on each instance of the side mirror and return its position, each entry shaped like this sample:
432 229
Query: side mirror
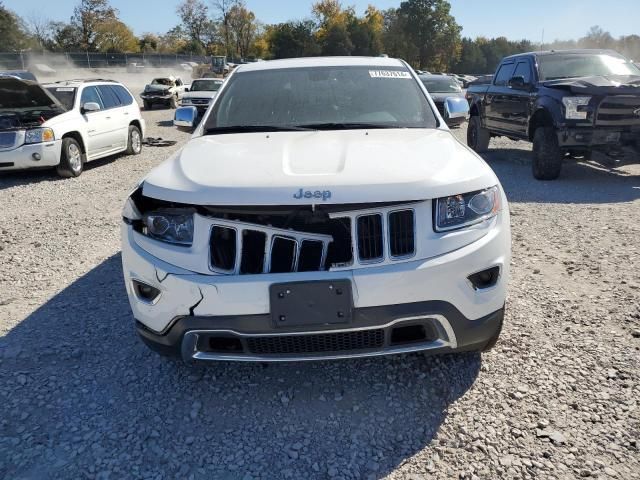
185 117
456 107
518 83
90 107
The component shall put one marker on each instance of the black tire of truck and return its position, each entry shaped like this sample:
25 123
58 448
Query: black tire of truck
71 159
547 155
477 137
173 103
147 105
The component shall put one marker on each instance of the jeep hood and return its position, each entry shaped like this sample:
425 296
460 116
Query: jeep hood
16 93
598 85
354 166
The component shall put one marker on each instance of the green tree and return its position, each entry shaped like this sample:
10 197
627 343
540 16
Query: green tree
148 43
195 20
292 39
13 32
87 16
65 37
433 31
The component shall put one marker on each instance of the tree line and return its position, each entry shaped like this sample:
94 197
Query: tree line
423 32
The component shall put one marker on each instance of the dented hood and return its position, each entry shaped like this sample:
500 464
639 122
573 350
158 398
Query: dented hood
605 85
16 93
330 167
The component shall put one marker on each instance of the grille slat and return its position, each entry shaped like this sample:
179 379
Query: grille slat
316 343
618 111
369 233
401 233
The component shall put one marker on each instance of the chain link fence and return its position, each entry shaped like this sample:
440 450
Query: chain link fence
26 60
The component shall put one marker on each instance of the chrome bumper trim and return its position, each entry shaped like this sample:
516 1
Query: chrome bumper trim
447 339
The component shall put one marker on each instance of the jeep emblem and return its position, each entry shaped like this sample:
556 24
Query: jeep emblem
323 195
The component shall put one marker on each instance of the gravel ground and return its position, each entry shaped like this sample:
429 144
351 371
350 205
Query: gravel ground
556 399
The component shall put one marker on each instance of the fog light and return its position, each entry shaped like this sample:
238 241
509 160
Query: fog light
145 292
36 156
485 279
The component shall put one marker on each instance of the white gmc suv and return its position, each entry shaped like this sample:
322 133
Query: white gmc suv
322 209
65 124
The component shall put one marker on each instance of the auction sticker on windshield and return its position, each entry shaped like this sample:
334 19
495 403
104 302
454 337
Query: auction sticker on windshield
388 74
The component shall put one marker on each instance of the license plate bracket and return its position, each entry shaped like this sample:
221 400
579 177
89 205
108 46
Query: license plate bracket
322 302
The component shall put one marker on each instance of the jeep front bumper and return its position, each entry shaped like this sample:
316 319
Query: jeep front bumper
418 305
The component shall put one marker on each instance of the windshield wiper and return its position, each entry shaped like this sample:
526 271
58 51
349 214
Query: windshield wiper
346 126
254 128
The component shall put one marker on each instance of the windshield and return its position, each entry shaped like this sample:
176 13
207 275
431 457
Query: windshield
65 95
162 81
334 97
206 86
440 85
573 65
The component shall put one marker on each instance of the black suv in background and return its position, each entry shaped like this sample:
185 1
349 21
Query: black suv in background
566 102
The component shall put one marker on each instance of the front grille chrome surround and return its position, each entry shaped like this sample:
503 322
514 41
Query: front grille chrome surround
377 235
271 234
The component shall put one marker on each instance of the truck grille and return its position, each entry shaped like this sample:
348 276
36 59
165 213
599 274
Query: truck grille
619 110
316 343
246 248
200 101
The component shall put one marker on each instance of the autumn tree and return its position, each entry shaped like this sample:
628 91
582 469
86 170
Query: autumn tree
13 31
114 36
242 29
87 17
292 39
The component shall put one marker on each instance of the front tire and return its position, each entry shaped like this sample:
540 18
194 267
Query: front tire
134 144
477 136
71 159
547 156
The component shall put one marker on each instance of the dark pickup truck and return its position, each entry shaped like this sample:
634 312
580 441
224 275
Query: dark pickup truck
568 103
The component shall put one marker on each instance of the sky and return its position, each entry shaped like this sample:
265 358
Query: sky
560 19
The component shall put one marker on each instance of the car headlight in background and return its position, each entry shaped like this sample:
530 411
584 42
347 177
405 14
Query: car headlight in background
39 135
576 108
186 101
171 226
458 211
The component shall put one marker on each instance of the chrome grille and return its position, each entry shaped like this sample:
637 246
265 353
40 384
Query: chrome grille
245 248
619 110
357 237
200 101
370 238
401 233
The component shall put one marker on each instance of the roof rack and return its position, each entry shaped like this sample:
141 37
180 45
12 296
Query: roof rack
86 80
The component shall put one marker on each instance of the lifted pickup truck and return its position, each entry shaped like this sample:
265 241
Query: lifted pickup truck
568 103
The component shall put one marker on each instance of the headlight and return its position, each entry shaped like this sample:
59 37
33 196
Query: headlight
458 211
186 101
39 135
171 226
575 107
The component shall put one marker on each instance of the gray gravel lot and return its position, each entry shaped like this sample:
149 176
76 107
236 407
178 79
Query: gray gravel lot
556 399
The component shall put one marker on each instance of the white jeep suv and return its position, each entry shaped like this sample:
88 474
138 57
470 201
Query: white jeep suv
65 124
322 209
